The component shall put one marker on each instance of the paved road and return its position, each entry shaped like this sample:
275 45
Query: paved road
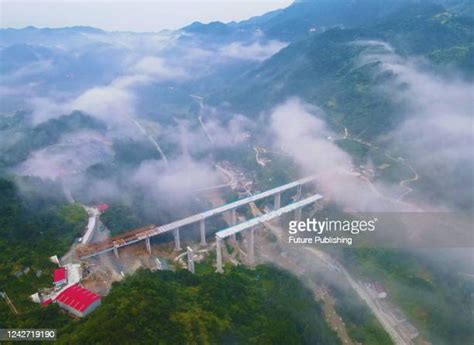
383 319
329 261
201 106
151 139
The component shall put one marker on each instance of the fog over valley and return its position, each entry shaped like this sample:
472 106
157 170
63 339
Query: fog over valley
103 132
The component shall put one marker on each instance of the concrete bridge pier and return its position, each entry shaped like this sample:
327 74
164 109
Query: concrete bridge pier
190 259
148 244
220 269
318 206
177 242
299 190
202 227
234 222
116 252
298 214
251 248
277 201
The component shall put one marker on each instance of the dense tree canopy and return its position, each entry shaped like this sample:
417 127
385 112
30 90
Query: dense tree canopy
242 306
28 236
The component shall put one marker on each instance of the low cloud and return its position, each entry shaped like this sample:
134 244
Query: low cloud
437 131
435 136
46 108
208 132
236 131
158 69
299 131
252 51
70 156
305 137
181 179
110 104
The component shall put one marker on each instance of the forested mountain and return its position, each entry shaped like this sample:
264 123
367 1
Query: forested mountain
243 306
264 306
31 231
21 138
369 80
379 91
304 18
326 70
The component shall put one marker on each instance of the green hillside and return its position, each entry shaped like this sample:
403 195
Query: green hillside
323 69
29 234
264 306
29 138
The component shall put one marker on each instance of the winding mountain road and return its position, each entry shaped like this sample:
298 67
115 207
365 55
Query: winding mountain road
201 107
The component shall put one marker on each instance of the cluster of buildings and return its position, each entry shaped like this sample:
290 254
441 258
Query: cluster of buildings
67 291
69 294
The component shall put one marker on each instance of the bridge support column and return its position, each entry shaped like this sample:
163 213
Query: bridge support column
298 214
277 201
190 259
251 248
234 222
318 206
202 227
177 242
116 252
219 255
299 190
148 245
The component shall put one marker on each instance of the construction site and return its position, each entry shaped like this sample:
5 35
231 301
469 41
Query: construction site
98 260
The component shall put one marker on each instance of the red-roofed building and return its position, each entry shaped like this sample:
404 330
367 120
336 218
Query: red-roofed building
59 276
103 207
78 301
46 302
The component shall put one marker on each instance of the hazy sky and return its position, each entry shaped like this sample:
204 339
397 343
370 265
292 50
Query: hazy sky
148 15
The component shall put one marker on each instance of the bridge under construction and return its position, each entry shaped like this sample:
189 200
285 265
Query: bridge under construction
252 224
144 234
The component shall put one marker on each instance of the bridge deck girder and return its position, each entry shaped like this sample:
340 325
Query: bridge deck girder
135 235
